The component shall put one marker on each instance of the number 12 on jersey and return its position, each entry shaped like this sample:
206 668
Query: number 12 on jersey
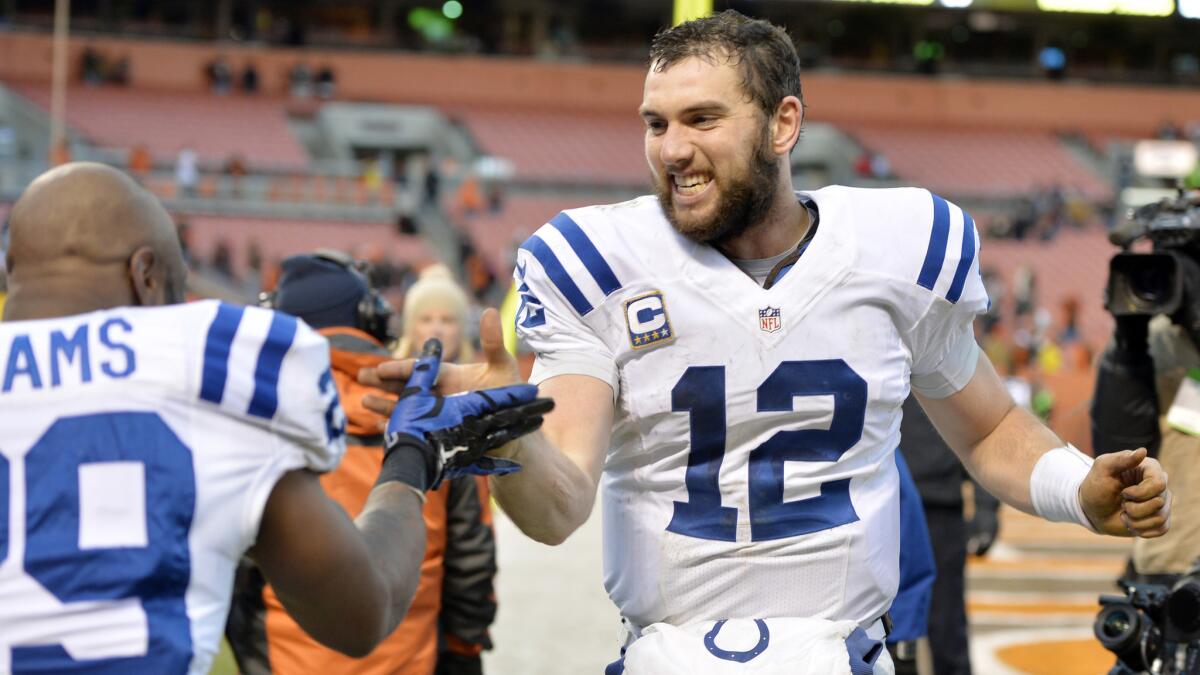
701 393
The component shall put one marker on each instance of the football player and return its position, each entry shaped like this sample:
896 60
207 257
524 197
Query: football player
729 358
143 450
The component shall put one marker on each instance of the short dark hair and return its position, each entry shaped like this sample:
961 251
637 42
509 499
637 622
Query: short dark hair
763 53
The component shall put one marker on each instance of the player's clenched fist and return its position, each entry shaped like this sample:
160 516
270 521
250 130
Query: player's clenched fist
1125 494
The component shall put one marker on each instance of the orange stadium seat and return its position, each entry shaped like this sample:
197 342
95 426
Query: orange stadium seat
976 162
215 127
561 145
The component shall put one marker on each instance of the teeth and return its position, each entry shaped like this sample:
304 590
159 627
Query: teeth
690 185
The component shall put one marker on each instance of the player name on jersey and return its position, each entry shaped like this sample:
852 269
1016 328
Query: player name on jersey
72 355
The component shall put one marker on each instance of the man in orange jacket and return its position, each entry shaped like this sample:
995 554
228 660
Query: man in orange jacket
446 627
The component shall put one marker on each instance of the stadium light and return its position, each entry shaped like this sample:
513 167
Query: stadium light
686 10
1133 7
1189 9
452 9
957 4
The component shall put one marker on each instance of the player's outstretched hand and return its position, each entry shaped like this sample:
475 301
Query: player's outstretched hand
459 429
1125 494
498 369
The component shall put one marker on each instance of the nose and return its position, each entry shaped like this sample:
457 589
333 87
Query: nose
676 149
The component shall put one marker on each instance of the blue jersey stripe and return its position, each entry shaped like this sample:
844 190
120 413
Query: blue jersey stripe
270 360
936 254
557 274
586 250
965 260
216 351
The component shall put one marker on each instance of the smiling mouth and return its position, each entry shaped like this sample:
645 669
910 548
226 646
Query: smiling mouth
690 185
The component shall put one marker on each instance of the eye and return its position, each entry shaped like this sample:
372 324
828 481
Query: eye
656 126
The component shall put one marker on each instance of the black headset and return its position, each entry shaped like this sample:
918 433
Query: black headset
373 315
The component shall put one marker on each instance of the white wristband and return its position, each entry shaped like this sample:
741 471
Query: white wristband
1054 485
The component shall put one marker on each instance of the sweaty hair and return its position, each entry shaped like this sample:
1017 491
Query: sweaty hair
762 52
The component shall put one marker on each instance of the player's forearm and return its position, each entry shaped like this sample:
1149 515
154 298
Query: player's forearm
1003 460
551 496
393 526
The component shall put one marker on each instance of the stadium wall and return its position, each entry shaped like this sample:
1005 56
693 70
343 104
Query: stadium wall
498 81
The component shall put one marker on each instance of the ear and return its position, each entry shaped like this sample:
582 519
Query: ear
145 276
785 125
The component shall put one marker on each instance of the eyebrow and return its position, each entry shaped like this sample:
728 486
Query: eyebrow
705 106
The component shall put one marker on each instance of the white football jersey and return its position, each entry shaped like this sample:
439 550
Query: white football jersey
750 472
138 447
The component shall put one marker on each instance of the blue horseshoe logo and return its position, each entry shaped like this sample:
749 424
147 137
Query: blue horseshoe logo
710 642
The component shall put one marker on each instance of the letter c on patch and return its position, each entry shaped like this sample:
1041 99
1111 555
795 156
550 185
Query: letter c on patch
646 314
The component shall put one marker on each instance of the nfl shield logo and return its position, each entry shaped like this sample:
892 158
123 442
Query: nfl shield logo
769 320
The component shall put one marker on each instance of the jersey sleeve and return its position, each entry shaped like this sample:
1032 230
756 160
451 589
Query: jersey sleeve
944 351
560 279
271 370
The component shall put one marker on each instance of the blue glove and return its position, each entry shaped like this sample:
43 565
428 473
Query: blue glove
453 432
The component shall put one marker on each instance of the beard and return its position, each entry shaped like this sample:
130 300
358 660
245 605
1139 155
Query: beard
744 199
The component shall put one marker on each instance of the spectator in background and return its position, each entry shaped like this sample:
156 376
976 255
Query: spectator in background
187 172
222 259
220 76
119 73
940 478
254 265
326 83
300 81
1053 61
92 67
881 166
250 78
446 627
436 306
235 170
433 183
140 163
1070 321
928 55
372 177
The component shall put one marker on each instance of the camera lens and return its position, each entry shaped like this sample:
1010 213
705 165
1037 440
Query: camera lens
1149 284
1117 627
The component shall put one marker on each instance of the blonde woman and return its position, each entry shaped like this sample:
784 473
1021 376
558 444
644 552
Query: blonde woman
436 306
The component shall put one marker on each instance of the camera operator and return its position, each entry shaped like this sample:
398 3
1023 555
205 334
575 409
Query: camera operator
1148 395
1155 300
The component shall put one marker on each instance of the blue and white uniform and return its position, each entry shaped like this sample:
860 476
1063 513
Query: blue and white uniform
750 472
138 447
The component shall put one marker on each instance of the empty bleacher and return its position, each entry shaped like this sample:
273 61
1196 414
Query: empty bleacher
560 145
216 127
979 163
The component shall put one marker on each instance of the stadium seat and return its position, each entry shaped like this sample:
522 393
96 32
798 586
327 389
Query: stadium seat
560 146
974 162
215 127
